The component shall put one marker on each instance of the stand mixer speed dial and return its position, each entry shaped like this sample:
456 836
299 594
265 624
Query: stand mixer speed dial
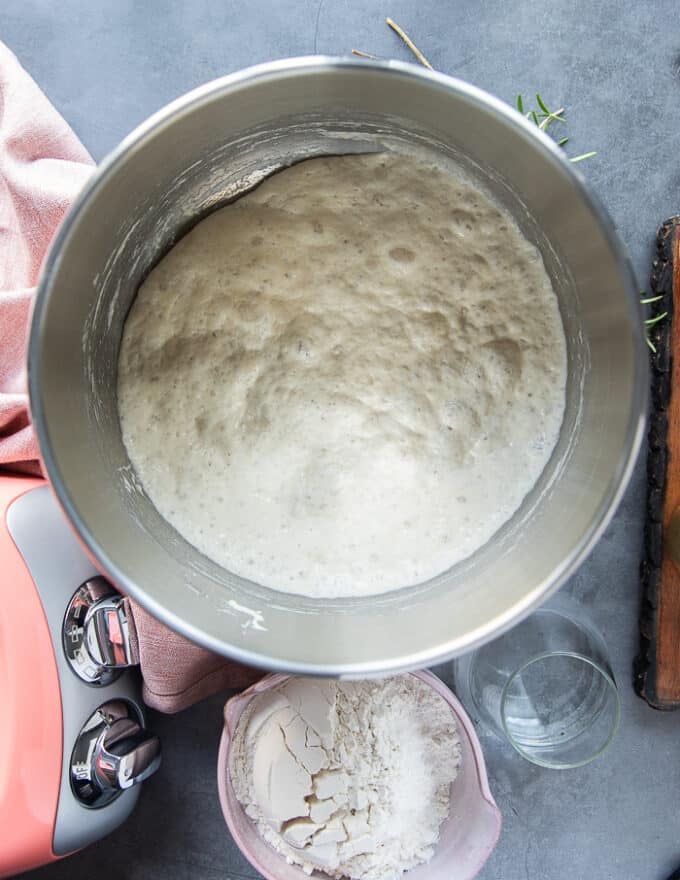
96 635
113 752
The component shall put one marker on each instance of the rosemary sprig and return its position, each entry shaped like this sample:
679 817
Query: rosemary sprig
543 117
650 322
401 33
404 37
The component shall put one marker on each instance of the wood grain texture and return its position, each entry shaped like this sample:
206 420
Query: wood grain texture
657 668
668 634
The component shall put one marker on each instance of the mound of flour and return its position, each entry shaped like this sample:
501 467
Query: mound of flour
352 778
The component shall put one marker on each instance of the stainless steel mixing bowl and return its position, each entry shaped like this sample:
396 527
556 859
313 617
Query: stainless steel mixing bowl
196 154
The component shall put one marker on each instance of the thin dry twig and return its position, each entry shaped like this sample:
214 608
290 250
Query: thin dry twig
365 54
401 33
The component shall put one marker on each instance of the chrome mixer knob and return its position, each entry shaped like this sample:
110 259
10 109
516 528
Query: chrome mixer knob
95 635
112 753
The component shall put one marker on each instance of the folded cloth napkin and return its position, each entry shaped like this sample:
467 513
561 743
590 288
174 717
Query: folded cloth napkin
43 165
176 672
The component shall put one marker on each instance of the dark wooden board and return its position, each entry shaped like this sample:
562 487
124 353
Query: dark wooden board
657 667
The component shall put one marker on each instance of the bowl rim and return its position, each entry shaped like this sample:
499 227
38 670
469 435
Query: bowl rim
235 706
195 629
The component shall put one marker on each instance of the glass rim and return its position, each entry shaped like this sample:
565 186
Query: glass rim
606 675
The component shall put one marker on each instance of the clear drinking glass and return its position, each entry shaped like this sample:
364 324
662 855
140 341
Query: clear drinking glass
547 686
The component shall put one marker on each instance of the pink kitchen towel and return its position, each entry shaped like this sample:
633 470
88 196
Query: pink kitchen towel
43 165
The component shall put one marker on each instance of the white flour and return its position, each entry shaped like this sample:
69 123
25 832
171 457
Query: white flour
352 778
346 381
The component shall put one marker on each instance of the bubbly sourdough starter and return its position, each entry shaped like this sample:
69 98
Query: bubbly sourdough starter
346 381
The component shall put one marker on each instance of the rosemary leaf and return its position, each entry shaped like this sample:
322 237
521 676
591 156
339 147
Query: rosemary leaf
655 320
541 104
583 156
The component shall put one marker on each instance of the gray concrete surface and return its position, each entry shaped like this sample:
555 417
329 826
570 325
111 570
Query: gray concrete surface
615 66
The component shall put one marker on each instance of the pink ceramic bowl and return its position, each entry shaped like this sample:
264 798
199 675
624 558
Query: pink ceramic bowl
467 837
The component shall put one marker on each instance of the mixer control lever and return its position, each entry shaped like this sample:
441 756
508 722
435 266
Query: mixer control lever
107 635
112 753
96 635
